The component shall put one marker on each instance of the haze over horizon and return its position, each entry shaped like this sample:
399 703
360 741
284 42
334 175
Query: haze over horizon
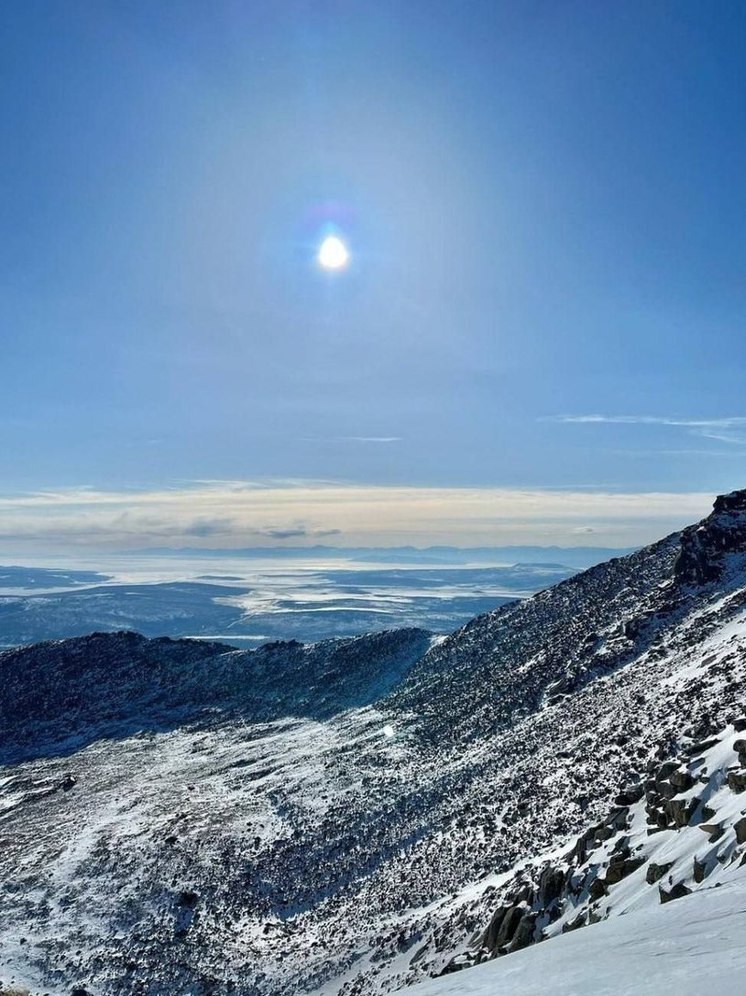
369 274
225 515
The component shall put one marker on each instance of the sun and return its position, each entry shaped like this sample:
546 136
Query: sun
333 254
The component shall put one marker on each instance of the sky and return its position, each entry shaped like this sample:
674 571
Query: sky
540 332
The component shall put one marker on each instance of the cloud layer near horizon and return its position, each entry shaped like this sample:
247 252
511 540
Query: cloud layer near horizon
228 514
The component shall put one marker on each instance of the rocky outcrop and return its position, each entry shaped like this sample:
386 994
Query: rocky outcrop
676 797
704 546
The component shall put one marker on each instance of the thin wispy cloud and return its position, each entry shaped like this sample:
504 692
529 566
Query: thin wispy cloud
730 429
353 439
371 439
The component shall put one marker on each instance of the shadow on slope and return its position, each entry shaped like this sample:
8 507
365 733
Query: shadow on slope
59 697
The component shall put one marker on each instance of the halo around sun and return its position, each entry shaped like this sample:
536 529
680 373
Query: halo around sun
333 254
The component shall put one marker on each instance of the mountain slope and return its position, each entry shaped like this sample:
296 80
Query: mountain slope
367 839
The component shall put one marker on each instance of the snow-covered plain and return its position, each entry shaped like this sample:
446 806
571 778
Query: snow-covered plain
249 602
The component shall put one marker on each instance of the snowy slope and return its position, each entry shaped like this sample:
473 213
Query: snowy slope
695 946
351 818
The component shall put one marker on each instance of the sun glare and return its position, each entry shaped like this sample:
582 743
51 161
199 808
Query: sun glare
333 253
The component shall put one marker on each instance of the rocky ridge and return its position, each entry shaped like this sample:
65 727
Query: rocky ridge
108 684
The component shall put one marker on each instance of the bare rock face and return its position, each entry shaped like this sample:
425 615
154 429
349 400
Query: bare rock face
703 546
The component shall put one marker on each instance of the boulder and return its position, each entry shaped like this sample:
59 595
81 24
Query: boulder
550 885
736 781
508 926
630 794
703 745
456 963
621 849
489 938
677 892
714 831
739 746
188 898
681 779
621 869
668 791
740 827
656 872
681 810
700 870
525 931
597 889
665 771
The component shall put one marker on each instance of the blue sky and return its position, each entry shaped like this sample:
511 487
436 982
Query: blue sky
545 207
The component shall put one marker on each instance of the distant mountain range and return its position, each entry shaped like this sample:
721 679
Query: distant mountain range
568 556
358 816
